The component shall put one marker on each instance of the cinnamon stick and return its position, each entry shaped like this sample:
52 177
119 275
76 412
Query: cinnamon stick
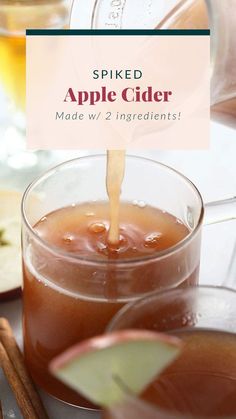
15 356
18 389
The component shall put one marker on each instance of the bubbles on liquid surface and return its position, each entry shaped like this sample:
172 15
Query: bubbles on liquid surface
90 214
121 246
109 249
102 247
97 228
152 240
68 238
140 204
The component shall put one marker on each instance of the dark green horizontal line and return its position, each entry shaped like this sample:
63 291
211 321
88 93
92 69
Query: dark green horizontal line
117 32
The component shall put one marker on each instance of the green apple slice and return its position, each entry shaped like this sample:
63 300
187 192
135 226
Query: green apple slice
10 246
104 368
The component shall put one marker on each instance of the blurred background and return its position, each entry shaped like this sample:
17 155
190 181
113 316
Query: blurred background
19 166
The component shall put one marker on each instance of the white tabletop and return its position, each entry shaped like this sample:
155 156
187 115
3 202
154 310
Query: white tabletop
214 172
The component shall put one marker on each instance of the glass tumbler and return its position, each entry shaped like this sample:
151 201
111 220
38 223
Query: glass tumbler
201 383
69 297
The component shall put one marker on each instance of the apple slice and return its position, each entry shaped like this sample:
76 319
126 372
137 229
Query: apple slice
10 247
105 368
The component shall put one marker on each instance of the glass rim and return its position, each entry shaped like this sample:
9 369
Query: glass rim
159 294
120 262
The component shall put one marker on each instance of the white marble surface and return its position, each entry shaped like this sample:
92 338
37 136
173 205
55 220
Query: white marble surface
214 172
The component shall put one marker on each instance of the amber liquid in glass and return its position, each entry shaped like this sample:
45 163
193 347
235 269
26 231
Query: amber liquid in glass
15 18
202 381
12 72
64 305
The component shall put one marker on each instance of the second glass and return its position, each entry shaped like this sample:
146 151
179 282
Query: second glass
200 383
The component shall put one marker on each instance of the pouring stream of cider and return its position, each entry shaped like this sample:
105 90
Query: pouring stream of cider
185 15
114 179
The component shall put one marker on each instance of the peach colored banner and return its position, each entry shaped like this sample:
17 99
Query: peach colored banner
116 92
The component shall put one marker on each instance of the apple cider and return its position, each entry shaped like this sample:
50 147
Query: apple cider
65 303
12 74
15 17
84 256
201 383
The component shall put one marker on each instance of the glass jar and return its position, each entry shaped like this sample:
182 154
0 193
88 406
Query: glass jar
15 17
173 14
